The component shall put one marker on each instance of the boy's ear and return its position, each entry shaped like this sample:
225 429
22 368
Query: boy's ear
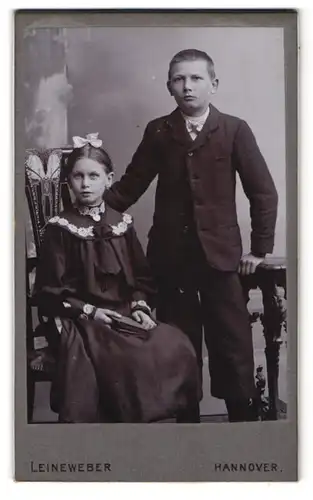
214 85
168 84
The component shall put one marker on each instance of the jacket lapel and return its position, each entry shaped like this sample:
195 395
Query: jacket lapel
177 127
211 124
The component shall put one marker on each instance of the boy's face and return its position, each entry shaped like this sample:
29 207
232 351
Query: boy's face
191 86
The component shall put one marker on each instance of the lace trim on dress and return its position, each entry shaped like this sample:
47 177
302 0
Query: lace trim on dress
87 232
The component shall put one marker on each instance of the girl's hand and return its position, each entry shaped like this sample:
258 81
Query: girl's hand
105 315
144 319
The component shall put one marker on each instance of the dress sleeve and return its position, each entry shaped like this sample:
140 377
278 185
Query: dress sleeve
54 293
144 289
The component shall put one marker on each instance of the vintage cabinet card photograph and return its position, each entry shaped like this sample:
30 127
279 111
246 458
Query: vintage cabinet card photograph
155 246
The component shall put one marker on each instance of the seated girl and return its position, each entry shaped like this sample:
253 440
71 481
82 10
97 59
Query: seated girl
114 363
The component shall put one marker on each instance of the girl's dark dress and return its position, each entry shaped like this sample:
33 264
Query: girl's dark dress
103 374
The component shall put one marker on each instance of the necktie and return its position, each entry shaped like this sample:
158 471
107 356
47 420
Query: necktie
193 130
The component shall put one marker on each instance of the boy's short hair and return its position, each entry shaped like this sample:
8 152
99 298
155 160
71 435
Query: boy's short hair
192 55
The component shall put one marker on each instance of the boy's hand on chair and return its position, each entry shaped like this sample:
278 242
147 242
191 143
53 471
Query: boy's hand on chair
249 263
106 315
144 319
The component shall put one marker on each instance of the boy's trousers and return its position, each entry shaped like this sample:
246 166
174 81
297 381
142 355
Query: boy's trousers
211 304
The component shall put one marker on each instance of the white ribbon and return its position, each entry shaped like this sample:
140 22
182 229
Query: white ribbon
92 139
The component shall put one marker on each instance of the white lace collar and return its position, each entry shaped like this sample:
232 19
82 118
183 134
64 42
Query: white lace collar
93 212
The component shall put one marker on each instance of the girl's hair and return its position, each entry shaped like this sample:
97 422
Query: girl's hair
192 55
88 151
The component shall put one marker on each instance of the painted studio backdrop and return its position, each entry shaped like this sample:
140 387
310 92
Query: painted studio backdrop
113 81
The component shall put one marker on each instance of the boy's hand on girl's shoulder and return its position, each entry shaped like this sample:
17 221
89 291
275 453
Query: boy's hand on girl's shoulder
249 263
144 319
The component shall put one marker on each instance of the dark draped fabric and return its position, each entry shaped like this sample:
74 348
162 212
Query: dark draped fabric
104 374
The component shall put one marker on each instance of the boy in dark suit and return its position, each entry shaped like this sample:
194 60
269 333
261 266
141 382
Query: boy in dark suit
194 246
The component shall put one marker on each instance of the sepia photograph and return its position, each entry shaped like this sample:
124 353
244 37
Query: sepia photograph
155 167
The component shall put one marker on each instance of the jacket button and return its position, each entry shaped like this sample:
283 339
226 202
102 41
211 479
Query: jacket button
190 153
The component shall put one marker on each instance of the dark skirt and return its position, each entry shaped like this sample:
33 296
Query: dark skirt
105 375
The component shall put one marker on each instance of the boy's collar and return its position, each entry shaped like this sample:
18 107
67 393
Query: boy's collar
176 122
197 119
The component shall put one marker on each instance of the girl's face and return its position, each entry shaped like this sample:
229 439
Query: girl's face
88 181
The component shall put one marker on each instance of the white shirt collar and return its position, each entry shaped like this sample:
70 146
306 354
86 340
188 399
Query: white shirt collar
196 122
197 119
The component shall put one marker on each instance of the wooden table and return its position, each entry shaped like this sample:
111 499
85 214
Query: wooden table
269 276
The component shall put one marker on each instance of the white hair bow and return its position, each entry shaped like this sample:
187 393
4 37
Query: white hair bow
79 142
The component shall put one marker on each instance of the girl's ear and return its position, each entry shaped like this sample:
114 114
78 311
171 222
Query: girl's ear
110 177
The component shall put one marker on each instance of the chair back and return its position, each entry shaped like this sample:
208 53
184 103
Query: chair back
47 191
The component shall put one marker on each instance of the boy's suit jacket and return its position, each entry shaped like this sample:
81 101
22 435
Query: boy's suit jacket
225 145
